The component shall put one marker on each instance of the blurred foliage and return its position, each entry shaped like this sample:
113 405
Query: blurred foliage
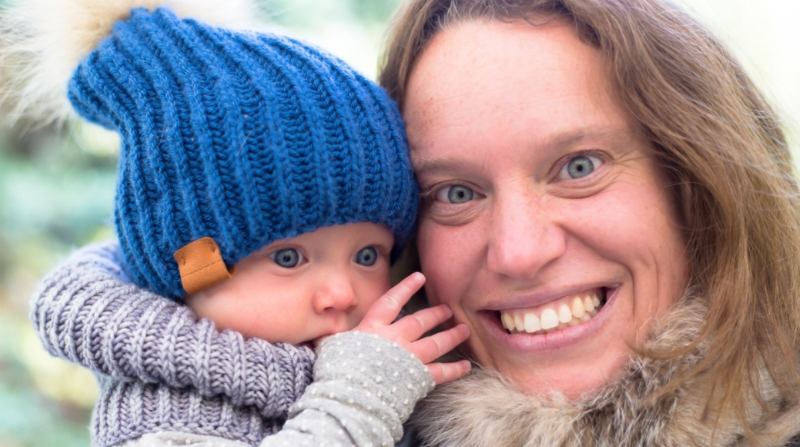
29 416
300 14
351 29
55 194
57 187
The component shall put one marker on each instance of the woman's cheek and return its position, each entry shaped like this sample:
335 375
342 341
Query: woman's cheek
443 251
427 250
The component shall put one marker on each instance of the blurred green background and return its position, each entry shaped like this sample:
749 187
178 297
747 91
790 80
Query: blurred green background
56 190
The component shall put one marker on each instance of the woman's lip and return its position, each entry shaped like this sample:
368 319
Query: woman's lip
536 301
555 340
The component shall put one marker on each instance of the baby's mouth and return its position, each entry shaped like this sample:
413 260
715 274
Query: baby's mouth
555 315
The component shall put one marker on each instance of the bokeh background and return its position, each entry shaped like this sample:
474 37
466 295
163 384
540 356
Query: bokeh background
57 185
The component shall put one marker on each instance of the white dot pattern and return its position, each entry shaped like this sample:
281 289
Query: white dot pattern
358 398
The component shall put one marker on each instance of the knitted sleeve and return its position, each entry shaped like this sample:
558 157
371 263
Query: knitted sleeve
87 311
364 388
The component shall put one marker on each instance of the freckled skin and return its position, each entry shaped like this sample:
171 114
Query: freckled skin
327 293
504 108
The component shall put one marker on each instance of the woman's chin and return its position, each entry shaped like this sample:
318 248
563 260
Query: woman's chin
576 379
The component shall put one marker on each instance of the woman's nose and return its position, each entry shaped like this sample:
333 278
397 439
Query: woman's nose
335 293
525 237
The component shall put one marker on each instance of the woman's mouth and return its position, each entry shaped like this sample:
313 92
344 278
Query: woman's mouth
559 314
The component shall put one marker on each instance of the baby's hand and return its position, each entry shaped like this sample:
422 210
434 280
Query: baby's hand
407 331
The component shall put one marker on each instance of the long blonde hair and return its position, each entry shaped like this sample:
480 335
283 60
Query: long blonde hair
720 144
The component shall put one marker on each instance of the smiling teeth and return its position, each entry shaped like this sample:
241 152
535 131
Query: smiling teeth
549 319
578 308
532 323
564 313
508 321
588 304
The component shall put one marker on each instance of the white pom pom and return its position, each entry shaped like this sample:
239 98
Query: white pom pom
42 42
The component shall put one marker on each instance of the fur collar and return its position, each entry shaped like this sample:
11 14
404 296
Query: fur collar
484 409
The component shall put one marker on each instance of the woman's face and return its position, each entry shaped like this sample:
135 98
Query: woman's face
545 211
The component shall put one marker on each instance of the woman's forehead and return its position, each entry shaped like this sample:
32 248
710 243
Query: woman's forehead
496 68
546 94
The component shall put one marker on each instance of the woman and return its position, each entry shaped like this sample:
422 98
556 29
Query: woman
610 209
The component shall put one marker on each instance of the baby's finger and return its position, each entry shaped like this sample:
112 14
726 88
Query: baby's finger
447 372
431 348
387 307
413 326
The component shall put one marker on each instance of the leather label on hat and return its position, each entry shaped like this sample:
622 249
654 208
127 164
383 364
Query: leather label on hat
201 265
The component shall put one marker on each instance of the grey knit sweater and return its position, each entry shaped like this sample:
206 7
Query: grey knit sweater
160 369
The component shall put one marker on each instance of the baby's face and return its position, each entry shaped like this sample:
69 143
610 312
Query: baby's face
299 289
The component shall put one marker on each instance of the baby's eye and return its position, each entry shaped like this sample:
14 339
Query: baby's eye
367 256
287 258
455 194
578 167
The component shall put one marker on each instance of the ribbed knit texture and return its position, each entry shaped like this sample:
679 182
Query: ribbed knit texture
158 366
245 138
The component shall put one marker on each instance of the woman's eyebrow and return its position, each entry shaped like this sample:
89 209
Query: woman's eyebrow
612 134
615 135
441 164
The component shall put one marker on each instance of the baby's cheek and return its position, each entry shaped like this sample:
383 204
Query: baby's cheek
225 310
204 306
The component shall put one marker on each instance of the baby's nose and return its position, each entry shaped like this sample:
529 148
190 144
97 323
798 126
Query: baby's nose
335 295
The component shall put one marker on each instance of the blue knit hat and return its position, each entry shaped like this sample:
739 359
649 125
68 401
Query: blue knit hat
242 137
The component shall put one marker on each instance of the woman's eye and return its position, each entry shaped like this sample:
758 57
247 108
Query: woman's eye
578 167
367 256
287 258
455 194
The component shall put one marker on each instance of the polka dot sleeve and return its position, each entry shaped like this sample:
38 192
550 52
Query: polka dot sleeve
364 388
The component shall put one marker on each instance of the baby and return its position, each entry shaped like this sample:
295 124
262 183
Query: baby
262 185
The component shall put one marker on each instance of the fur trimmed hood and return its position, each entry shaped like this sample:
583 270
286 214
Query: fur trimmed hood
484 409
